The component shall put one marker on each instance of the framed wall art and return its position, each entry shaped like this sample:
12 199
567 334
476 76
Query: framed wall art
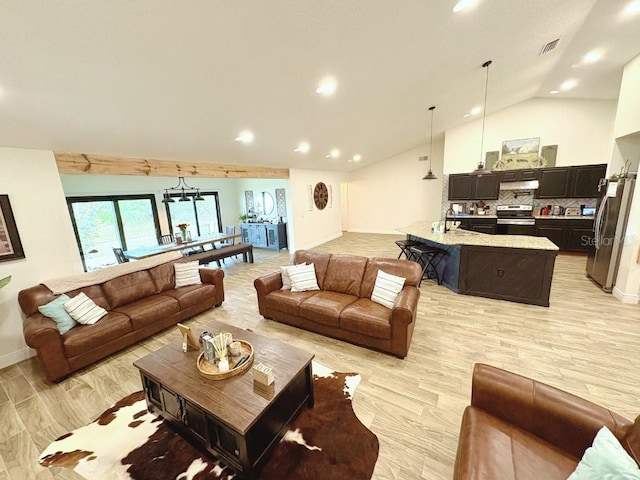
522 153
10 245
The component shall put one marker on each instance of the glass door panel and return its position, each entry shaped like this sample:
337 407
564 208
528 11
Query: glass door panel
97 230
182 212
208 215
138 223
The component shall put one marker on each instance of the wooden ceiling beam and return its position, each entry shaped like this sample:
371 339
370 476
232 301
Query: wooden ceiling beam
86 164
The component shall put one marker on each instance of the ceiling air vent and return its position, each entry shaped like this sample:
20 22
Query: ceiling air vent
549 46
423 158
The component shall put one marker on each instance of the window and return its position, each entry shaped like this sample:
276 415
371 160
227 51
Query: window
202 216
104 223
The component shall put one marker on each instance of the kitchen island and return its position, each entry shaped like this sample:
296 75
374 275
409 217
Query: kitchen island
518 268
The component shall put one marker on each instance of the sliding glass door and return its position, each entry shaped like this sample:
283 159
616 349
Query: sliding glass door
104 223
202 216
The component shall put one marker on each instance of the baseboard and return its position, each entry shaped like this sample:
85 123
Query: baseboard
16 357
625 297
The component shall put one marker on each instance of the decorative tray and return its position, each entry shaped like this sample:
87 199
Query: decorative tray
210 370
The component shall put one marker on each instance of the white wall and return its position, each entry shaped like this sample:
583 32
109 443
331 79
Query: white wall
582 129
627 288
391 194
30 178
311 226
227 188
258 185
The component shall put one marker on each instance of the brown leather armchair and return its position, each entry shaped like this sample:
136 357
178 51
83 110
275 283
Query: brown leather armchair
517 428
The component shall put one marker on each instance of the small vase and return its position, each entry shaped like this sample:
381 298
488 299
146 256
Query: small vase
223 365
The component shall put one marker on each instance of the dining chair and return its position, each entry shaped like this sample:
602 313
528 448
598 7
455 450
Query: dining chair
229 230
120 256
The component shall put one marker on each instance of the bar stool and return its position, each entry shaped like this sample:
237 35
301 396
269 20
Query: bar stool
429 258
404 248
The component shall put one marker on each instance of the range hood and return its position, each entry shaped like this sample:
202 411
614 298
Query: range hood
527 185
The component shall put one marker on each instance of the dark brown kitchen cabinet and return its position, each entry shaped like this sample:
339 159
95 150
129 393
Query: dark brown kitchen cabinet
518 175
570 235
554 182
461 186
585 179
470 187
487 187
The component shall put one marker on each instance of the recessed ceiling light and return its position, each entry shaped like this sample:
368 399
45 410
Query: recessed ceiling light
335 153
462 4
554 92
245 137
357 157
327 87
568 85
592 56
303 147
632 8
476 110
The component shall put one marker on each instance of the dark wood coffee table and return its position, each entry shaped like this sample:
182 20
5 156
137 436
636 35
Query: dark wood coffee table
235 419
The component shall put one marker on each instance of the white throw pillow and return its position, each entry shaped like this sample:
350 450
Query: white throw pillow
187 273
286 281
387 288
606 460
84 310
303 278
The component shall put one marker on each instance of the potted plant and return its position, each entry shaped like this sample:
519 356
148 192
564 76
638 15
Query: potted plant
242 217
5 281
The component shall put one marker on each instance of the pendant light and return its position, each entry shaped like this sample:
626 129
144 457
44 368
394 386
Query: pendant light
430 175
481 170
185 191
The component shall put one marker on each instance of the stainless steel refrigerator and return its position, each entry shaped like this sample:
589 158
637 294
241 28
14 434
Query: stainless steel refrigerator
609 228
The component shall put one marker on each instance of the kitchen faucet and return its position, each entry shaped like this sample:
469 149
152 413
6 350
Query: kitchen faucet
446 215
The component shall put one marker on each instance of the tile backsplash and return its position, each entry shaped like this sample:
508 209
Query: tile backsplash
514 197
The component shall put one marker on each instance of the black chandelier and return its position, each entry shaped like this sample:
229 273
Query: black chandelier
185 192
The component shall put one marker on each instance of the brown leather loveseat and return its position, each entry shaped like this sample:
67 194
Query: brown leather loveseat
517 428
139 304
343 308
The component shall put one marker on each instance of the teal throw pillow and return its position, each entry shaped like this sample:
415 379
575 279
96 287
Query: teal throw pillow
606 460
56 312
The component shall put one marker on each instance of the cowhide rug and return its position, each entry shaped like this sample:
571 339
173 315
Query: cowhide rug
126 442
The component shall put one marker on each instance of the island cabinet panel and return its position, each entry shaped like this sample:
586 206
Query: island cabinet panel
514 274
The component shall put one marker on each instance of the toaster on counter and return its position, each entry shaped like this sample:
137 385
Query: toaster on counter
572 211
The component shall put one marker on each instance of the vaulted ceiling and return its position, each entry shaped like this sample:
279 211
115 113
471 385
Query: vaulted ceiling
180 80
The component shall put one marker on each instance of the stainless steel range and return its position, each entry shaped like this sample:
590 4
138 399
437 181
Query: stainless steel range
515 220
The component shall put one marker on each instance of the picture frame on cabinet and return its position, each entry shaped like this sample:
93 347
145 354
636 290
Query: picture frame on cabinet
520 153
10 244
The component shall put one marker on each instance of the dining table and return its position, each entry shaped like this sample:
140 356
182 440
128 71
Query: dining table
210 239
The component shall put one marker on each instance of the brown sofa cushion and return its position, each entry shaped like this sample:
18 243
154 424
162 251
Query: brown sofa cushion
95 293
325 307
410 271
83 338
320 262
129 288
287 301
192 294
163 276
490 448
368 318
148 310
344 274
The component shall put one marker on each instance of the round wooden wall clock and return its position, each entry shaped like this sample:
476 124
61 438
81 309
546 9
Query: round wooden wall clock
320 195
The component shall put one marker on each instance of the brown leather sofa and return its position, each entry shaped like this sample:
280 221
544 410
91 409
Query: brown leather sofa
343 308
517 428
139 304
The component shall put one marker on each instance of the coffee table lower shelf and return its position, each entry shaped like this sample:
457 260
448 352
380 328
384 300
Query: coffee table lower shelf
246 452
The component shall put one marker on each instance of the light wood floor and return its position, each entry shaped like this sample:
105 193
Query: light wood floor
586 342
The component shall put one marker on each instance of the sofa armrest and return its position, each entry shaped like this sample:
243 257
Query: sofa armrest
404 309
42 334
215 277
268 283
558 417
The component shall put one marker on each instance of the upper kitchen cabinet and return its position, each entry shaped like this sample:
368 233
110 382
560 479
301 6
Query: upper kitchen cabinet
470 187
585 179
520 175
461 186
554 182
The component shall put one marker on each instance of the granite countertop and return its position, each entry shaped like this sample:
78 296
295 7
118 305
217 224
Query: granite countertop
462 216
464 237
